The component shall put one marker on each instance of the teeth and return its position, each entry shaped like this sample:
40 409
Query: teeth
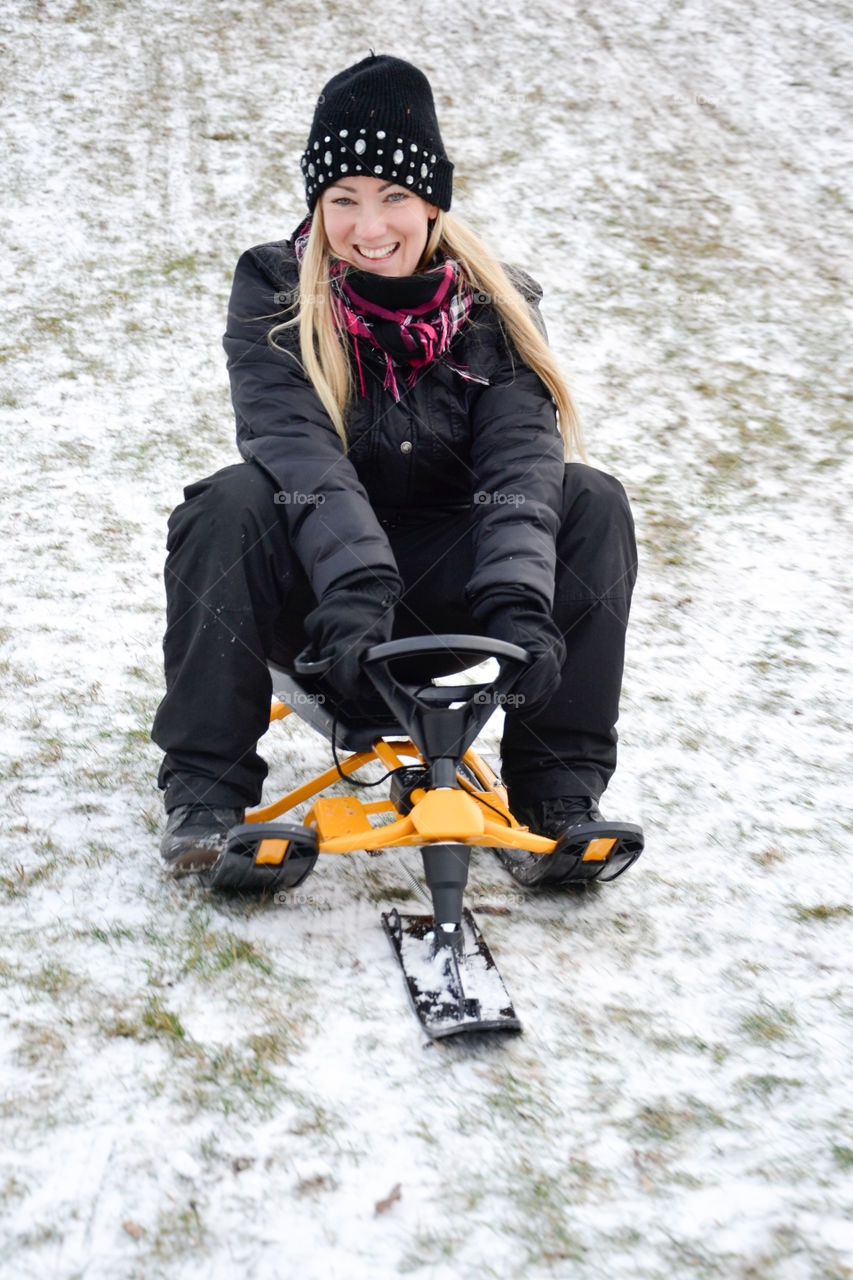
384 252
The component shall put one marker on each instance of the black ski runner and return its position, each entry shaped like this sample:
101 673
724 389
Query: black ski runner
452 989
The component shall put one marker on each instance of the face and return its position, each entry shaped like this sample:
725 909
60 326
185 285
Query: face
377 226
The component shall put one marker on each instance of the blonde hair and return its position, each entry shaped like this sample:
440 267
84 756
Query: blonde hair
323 346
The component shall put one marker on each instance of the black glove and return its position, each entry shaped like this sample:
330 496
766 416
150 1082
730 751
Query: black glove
346 622
533 628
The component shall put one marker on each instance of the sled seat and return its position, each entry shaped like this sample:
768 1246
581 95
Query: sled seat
318 705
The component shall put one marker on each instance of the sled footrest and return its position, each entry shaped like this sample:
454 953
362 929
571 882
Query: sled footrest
593 851
264 856
589 851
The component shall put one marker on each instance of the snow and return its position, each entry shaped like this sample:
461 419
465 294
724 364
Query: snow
446 979
198 1088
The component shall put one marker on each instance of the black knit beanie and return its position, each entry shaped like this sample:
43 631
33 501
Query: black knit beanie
378 119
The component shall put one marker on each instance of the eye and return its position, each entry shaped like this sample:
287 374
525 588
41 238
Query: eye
340 200
398 196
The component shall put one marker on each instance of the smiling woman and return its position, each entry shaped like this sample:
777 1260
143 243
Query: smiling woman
378 226
404 428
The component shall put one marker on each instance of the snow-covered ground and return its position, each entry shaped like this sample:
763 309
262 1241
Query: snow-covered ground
196 1088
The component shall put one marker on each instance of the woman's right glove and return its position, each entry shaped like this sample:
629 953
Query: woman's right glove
347 621
525 623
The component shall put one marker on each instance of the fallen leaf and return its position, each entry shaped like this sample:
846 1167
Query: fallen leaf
133 1229
393 1194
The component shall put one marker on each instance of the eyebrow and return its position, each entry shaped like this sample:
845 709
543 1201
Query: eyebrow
341 183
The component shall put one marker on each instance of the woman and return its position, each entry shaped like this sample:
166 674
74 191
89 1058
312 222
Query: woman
403 473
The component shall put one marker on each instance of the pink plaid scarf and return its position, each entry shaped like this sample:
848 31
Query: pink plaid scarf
414 334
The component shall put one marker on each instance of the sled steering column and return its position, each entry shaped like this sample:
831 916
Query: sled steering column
443 720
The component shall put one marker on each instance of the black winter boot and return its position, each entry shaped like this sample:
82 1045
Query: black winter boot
587 848
551 818
195 836
557 815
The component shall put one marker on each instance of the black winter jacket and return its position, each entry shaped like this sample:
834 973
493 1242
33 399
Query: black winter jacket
448 442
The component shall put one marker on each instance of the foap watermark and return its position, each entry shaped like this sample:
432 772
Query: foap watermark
295 498
491 697
694 301
305 901
483 498
292 298
500 904
506 99
297 698
496 299
690 100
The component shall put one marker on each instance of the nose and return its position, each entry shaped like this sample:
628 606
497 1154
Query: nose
370 225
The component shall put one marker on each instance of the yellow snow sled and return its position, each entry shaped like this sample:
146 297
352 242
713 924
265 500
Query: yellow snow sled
442 796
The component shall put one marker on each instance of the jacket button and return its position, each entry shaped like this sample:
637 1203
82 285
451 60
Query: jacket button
406 446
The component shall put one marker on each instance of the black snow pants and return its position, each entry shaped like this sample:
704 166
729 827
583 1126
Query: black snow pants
236 596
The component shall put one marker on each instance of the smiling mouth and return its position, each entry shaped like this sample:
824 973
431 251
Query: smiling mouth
377 255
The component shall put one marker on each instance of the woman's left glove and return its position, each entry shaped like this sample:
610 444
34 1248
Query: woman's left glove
346 622
528 624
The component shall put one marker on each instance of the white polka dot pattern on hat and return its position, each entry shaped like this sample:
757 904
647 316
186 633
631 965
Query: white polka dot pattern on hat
326 166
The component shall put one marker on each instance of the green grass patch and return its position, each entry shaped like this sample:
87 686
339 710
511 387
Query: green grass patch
668 1122
667 537
822 912
39 1046
768 1086
213 951
161 1022
543 1223
769 1024
18 880
429 1248
178 1231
